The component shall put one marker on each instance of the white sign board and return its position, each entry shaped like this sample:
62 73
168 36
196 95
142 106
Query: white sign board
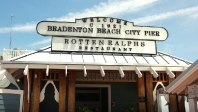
103 27
103 45
192 91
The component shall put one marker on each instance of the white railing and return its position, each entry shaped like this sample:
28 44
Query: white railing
11 53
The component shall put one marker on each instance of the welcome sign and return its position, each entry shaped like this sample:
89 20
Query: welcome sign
103 27
102 34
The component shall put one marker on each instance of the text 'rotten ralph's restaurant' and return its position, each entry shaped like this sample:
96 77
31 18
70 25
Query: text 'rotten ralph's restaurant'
101 64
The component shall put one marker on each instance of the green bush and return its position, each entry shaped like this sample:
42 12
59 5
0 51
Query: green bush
83 109
129 110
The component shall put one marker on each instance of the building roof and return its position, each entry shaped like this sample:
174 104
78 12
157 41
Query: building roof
188 77
45 55
46 59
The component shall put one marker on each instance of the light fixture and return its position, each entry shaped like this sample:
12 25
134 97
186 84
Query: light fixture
121 72
85 72
102 71
35 75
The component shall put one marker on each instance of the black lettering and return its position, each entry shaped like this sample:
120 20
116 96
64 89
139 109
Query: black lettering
108 25
114 48
153 33
91 24
129 43
85 30
111 20
54 28
102 48
87 40
69 29
119 49
108 31
117 43
146 32
113 31
97 48
132 31
114 26
117 31
127 32
142 44
105 19
101 42
64 28
91 48
130 49
80 40
80 47
138 31
118 21
125 49
123 43
75 29
99 30
108 48
73 41
92 20
98 20
79 29
135 43
90 30
84 20
49 28
125 22
110 42
103 30
66 41
86 47
93 42
157 33
59 28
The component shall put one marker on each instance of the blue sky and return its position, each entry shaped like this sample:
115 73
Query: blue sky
179 17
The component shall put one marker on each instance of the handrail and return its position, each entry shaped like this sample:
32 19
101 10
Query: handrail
11 53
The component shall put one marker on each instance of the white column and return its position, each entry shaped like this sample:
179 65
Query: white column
192 105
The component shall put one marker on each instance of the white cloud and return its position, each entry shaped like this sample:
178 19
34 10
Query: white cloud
194 16
112 7
182 12
45 41
20 28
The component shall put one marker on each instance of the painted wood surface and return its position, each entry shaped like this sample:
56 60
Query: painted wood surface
149 92
181 101
173 102
71 91
62 91
141 94
36 92
181 104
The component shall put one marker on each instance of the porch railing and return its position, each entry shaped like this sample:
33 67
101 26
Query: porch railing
11 53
